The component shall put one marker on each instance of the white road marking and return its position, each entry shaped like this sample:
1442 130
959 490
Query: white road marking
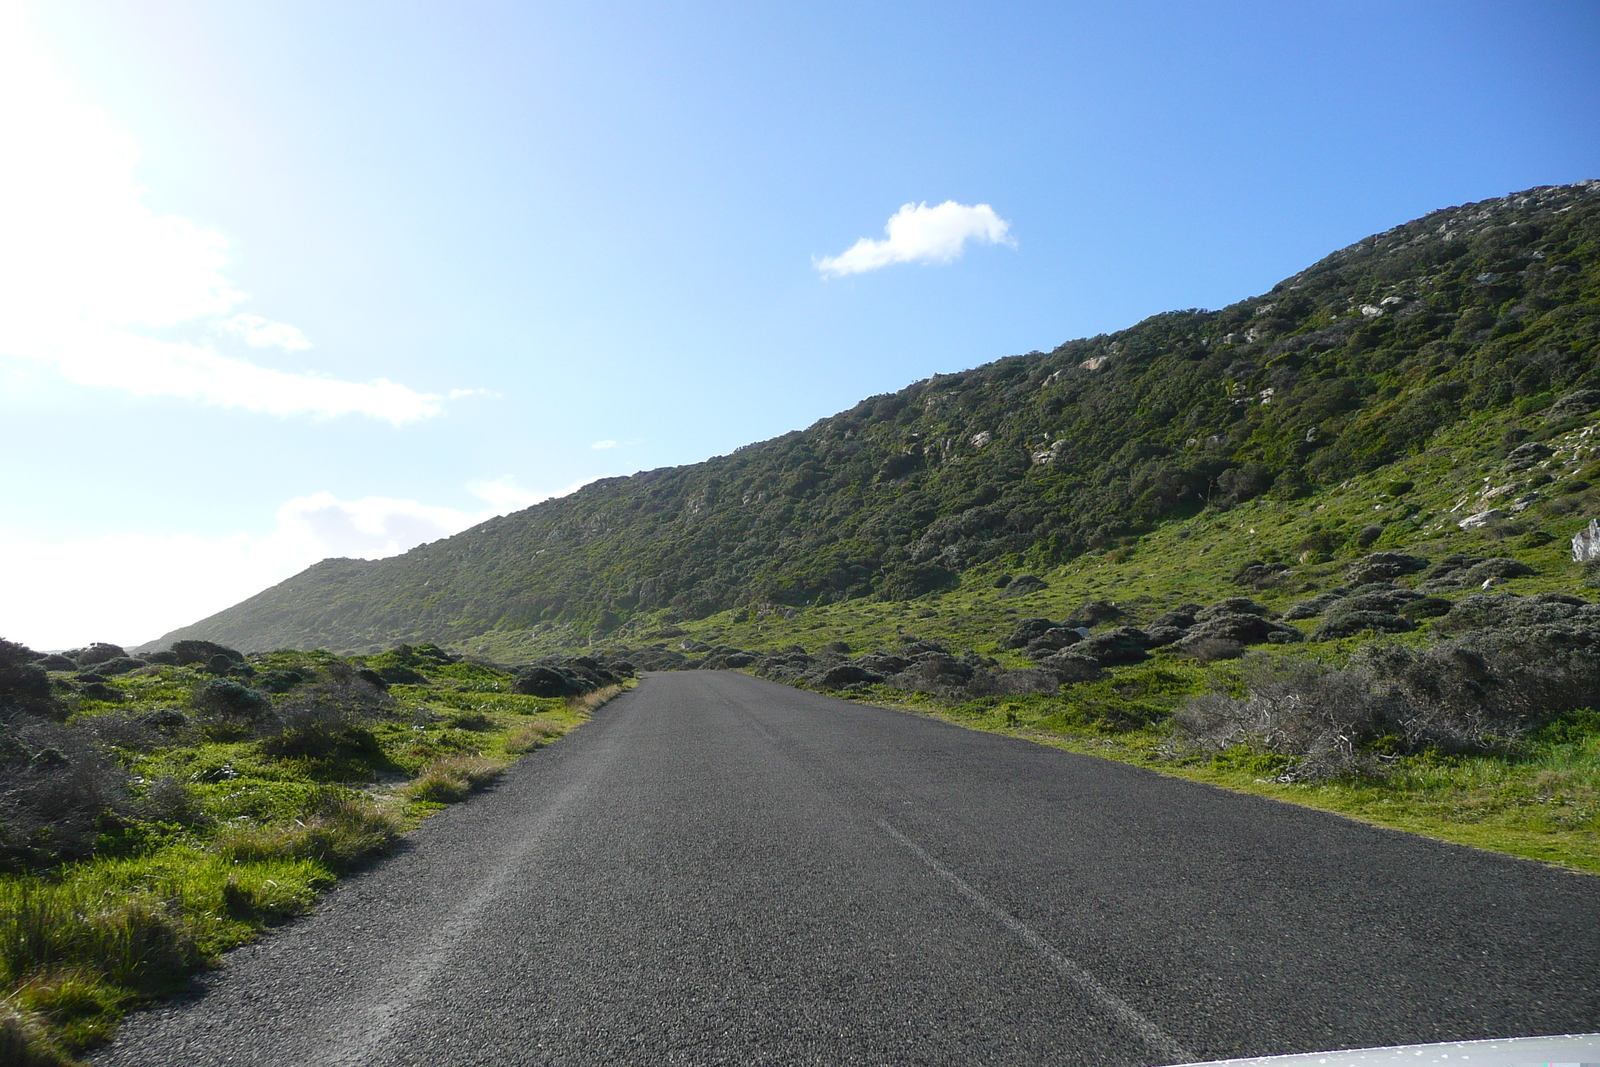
1108 1001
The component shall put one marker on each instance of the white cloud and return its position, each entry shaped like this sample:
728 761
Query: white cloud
921 234
87 268
57 595
607 443
503 494
263 334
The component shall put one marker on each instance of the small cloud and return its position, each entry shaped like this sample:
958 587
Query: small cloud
264 334
921 234
607 443
461 394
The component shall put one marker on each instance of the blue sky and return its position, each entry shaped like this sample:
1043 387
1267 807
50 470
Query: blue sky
552 226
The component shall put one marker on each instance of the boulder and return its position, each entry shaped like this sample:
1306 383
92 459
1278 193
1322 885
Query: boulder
1577 402
1586 542
1527 454
1481 519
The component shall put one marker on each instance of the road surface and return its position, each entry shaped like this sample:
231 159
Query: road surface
718 869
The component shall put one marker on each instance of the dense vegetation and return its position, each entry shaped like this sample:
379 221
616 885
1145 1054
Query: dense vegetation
155 811
1356 363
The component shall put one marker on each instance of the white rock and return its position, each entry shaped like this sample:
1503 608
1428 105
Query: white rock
1586 545
1482 518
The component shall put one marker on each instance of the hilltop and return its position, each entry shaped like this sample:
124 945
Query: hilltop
1357 405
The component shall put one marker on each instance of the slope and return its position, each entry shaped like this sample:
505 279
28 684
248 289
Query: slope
1447 328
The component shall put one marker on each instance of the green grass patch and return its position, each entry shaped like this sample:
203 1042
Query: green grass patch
214 834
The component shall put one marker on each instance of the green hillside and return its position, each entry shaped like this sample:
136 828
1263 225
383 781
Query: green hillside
1359 404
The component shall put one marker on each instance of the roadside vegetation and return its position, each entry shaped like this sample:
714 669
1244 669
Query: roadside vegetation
1357 649
158 810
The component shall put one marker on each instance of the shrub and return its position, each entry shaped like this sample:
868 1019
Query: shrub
1211 649
334 712
546 681
229 709
99 652
24 685
195 651
1479 693
57 793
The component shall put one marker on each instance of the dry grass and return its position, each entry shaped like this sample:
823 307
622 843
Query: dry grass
452 778
589 702
533 735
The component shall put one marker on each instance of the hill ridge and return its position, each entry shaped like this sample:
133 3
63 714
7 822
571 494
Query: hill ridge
1351 364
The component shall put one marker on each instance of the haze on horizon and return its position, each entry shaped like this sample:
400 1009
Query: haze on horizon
280 282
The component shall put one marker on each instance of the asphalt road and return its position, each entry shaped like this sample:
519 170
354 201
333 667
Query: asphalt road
722 870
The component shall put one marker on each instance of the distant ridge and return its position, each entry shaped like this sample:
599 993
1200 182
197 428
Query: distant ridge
1347 366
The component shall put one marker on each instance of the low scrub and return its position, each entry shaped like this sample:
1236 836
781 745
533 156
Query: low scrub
1480 693
153 817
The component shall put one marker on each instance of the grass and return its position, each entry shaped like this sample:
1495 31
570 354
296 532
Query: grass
267 827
